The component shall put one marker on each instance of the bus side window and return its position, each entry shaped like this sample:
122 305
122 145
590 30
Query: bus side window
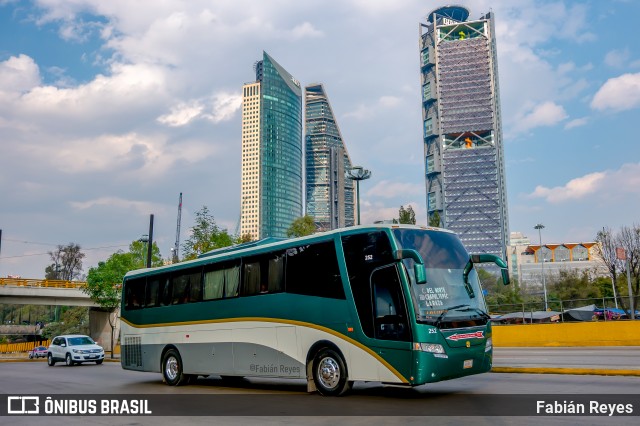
165 290
152 293
134 296
251 278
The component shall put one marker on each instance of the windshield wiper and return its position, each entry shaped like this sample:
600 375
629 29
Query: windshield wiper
444 313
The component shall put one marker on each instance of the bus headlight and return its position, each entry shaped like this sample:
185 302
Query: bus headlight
433 348
489 344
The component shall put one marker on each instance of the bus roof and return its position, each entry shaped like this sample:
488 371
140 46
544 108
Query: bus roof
271 243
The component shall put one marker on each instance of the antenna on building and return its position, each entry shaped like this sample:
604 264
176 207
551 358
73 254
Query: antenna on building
177 245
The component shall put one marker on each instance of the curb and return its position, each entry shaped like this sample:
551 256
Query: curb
575 371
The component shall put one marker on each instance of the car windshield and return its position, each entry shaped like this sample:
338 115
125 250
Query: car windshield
444 294
82 340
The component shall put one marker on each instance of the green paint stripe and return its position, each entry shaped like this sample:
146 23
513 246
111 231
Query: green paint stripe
279 321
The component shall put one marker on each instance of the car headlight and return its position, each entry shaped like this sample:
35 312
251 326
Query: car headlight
433 348
78 351
489 345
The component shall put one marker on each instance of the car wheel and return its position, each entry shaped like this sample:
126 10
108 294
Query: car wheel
98 362
30 356
172 369
330 373
50 360
68 360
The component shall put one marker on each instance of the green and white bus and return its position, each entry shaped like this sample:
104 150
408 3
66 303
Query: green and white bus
395 304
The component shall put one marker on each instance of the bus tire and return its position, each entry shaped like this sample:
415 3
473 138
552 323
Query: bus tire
172 369
330 373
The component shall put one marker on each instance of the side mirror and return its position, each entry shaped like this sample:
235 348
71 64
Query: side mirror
418 268
491 258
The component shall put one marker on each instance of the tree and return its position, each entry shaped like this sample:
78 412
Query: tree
205 236
67 263
629 240
138 250
246 238
407 216
434 219
302 226
74 320
104 285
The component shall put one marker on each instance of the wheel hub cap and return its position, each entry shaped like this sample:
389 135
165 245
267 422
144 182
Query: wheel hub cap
329 372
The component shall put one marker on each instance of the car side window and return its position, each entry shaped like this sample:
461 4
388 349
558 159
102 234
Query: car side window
56 341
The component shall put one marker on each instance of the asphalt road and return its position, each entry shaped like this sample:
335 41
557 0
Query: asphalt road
608 357
368 404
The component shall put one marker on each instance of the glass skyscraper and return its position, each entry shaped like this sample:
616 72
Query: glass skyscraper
329 194
271 196
463 152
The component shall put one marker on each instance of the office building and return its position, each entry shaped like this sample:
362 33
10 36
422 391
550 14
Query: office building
271 194
329 194
463 151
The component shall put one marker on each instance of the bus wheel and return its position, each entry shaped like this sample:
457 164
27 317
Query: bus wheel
172 369
330 373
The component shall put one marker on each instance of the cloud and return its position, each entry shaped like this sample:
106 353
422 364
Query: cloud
364 111
545 114
116 203
182 114
225 106
613 184
304 30
617 58
577 122
386 189
19 74
618 94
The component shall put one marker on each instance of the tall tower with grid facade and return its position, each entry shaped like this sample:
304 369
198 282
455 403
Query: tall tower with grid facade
329 194
271 193
463 151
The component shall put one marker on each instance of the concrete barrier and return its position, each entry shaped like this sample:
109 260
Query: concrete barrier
601 333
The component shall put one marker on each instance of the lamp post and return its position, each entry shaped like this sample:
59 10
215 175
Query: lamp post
540 227
358 173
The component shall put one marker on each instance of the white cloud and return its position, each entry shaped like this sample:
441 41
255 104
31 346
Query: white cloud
225 106
617 58
618 94
545 114
386 189
366 111
182 114
607 184
19 74
306 29
116 203
577 122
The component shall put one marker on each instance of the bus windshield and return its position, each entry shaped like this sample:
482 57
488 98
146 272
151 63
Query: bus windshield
444 298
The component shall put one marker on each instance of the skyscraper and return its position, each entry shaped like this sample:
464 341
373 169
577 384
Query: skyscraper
329 195
464 159
271 195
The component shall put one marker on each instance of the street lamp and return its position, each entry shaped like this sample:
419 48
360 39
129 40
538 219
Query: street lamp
358 173
540 227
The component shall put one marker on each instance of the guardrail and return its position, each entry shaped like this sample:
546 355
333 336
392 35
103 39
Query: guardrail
26 282
10 348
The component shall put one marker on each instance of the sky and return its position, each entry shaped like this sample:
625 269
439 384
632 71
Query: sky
109 110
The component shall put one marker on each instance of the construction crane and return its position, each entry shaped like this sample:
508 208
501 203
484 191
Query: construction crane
176 247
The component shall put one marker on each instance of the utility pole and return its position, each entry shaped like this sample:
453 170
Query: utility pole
539 227
150 244
176 247
358 173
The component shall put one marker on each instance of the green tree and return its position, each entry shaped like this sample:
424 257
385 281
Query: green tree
138 250
74 320
104 285
246 238
67 263
301 226
205 236
407 216
434 219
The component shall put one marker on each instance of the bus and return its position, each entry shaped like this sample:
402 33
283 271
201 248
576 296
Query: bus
396 304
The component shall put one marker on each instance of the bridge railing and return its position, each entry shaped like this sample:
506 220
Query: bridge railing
10 348
26 282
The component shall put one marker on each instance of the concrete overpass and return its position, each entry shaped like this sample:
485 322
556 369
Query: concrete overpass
22 291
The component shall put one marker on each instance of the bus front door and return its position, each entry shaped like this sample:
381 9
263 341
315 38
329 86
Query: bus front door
392 333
